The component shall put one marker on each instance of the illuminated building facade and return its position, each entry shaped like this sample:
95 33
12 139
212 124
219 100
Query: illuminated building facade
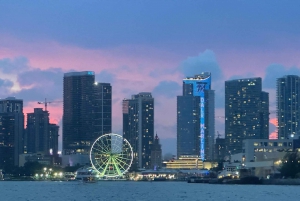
288 106
138 127
86 111
11 132
246 113
195 117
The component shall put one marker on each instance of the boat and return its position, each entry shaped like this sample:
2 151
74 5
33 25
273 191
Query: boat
86 175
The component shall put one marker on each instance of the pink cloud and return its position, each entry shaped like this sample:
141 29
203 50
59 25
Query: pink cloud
274 134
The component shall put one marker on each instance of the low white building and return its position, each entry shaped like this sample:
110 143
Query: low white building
265 149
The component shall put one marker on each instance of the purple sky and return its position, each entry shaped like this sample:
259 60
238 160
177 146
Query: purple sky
145 46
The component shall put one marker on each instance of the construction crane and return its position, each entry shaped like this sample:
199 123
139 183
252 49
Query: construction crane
48 102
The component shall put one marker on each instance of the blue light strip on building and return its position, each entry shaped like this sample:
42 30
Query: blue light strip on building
202 126
199 86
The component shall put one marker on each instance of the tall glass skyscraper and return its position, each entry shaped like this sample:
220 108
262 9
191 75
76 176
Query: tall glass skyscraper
288 106
86 112
11 132
195 117
246 112
138 127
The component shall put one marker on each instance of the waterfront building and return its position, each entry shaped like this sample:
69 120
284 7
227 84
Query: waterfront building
35 157
53 142
86 111
11 131
246 113
195 117
265 149
156 154
138 127
37 131
41 136
189 162
288 106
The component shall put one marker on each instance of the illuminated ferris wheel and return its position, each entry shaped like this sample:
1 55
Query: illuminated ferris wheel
111 155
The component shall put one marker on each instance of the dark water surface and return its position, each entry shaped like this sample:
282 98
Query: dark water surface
142 191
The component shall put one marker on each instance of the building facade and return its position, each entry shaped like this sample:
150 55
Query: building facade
11 132
288 106
86 111
138 127
53 139
156 154
246 113
37 132
195 117
220 149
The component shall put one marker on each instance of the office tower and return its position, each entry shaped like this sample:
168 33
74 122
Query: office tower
246 112
195 117
288 106
11 132
37 132
156 154
86 111
102 113
53 139
138 127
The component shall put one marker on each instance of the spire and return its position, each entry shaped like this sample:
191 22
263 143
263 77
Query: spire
156 137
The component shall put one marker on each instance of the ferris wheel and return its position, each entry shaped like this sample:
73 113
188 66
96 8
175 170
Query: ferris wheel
111 155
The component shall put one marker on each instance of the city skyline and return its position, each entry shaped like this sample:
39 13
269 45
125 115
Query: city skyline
37 48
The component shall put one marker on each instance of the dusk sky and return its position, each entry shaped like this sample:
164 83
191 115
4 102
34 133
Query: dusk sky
145 46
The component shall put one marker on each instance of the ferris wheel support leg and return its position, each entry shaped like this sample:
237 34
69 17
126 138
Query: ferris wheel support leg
117 168
106 166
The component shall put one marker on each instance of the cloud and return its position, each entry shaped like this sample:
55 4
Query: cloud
168 89
105 77
6 83
204 62
275 71
16 65
41 84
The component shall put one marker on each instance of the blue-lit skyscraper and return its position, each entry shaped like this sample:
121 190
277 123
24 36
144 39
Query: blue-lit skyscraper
195 117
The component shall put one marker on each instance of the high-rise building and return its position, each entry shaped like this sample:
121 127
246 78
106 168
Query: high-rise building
195 117
37 132
53 139
246 113
138 127
86 111
11 132
156 154
220 149
288 106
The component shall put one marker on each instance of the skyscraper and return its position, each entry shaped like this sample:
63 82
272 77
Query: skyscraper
11 131
53 139
288 106
156 154
246 112
86 112
37 131
138 127
195 117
